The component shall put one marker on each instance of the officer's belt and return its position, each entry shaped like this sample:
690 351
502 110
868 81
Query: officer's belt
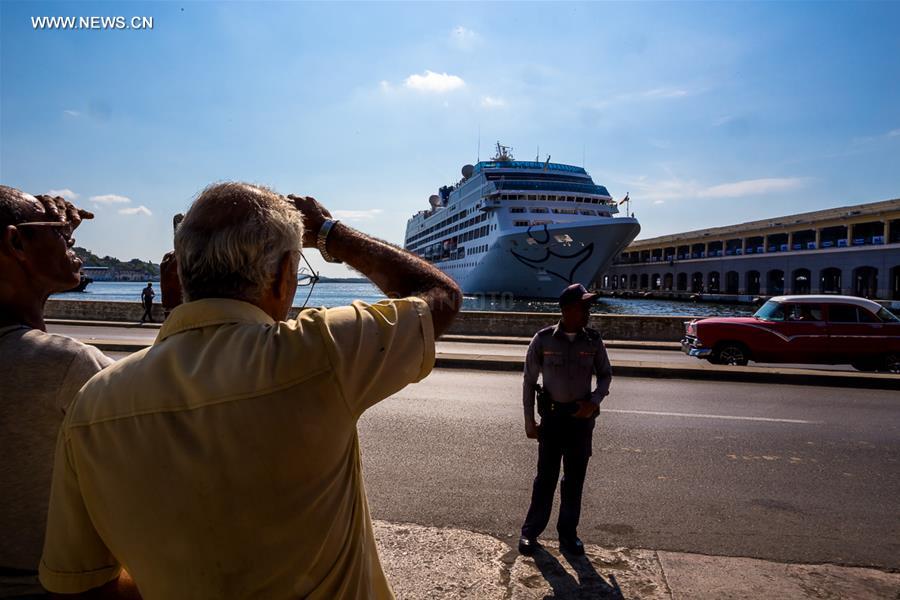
547 407
562 409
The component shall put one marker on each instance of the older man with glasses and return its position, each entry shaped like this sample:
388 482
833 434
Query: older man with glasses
223 461
40 373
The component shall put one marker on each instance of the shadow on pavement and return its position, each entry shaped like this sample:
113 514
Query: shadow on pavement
565 587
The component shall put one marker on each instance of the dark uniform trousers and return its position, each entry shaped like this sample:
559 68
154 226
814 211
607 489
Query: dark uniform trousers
563 439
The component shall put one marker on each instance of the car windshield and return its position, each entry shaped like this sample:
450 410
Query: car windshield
770 311
887 316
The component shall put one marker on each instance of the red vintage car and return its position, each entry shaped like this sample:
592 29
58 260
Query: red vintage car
802 329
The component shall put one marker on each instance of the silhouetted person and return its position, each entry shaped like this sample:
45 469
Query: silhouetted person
147 295
40 372
169 286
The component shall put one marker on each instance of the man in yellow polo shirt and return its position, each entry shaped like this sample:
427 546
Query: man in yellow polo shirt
223 461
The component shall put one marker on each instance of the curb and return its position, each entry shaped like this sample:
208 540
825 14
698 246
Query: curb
122 324
623 368
523 341
469 339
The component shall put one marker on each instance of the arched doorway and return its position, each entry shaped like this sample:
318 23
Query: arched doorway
865 282
895 283
697 282
623 282
655 281
800 281
732 282
645 281
830 281
667 282
775 282
681 285
753 284
712 282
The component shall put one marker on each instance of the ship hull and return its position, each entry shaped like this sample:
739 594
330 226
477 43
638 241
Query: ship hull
541 261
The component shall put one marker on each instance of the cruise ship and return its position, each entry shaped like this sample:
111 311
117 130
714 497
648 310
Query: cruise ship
523 228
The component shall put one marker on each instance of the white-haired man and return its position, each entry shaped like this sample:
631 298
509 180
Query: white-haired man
223 462
40 372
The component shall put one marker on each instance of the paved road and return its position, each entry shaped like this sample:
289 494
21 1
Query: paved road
147 335
780 472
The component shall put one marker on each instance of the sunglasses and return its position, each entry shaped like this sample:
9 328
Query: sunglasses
63 230
307 277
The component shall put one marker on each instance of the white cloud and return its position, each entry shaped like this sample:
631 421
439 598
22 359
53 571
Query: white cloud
752 187
72 113
675 188
660 93
664 92
357 215
432 82
110 199
136 210
491 102
894 133
724 120
659 202
464 39
64 193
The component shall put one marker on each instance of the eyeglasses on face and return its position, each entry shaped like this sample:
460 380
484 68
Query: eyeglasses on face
307 277
63 230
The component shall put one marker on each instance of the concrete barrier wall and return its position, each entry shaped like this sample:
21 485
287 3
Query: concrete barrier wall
89 310
613 327
519 324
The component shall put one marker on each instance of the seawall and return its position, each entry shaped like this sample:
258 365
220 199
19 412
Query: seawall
514 324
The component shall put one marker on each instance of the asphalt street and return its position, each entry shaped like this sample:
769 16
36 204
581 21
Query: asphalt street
87 333
786 473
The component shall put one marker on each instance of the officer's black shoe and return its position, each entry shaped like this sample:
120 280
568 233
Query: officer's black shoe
528 546
572 546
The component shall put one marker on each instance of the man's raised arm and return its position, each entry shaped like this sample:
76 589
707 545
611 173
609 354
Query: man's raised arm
396 272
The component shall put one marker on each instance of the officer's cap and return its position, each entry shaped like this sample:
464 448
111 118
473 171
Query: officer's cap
575 293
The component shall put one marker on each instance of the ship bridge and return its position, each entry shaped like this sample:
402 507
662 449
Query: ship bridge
518 185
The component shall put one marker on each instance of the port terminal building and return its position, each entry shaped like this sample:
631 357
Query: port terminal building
852 250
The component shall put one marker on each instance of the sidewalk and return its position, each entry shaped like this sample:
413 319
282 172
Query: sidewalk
431 562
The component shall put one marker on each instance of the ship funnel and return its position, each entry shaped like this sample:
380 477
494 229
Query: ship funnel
467 171
434 200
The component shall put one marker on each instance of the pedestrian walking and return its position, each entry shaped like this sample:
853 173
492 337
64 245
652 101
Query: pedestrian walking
147 296
566 356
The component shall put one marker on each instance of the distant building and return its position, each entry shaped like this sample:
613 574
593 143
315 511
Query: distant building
850 250
97 273
131 275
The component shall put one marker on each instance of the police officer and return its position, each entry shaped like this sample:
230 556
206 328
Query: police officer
566 355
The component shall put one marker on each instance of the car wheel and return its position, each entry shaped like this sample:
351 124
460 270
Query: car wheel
731 353
891 363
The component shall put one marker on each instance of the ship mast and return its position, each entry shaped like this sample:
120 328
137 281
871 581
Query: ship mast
504 153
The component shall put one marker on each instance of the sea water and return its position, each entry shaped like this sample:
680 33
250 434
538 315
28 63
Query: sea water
330 294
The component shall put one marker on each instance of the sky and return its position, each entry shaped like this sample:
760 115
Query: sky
706 114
